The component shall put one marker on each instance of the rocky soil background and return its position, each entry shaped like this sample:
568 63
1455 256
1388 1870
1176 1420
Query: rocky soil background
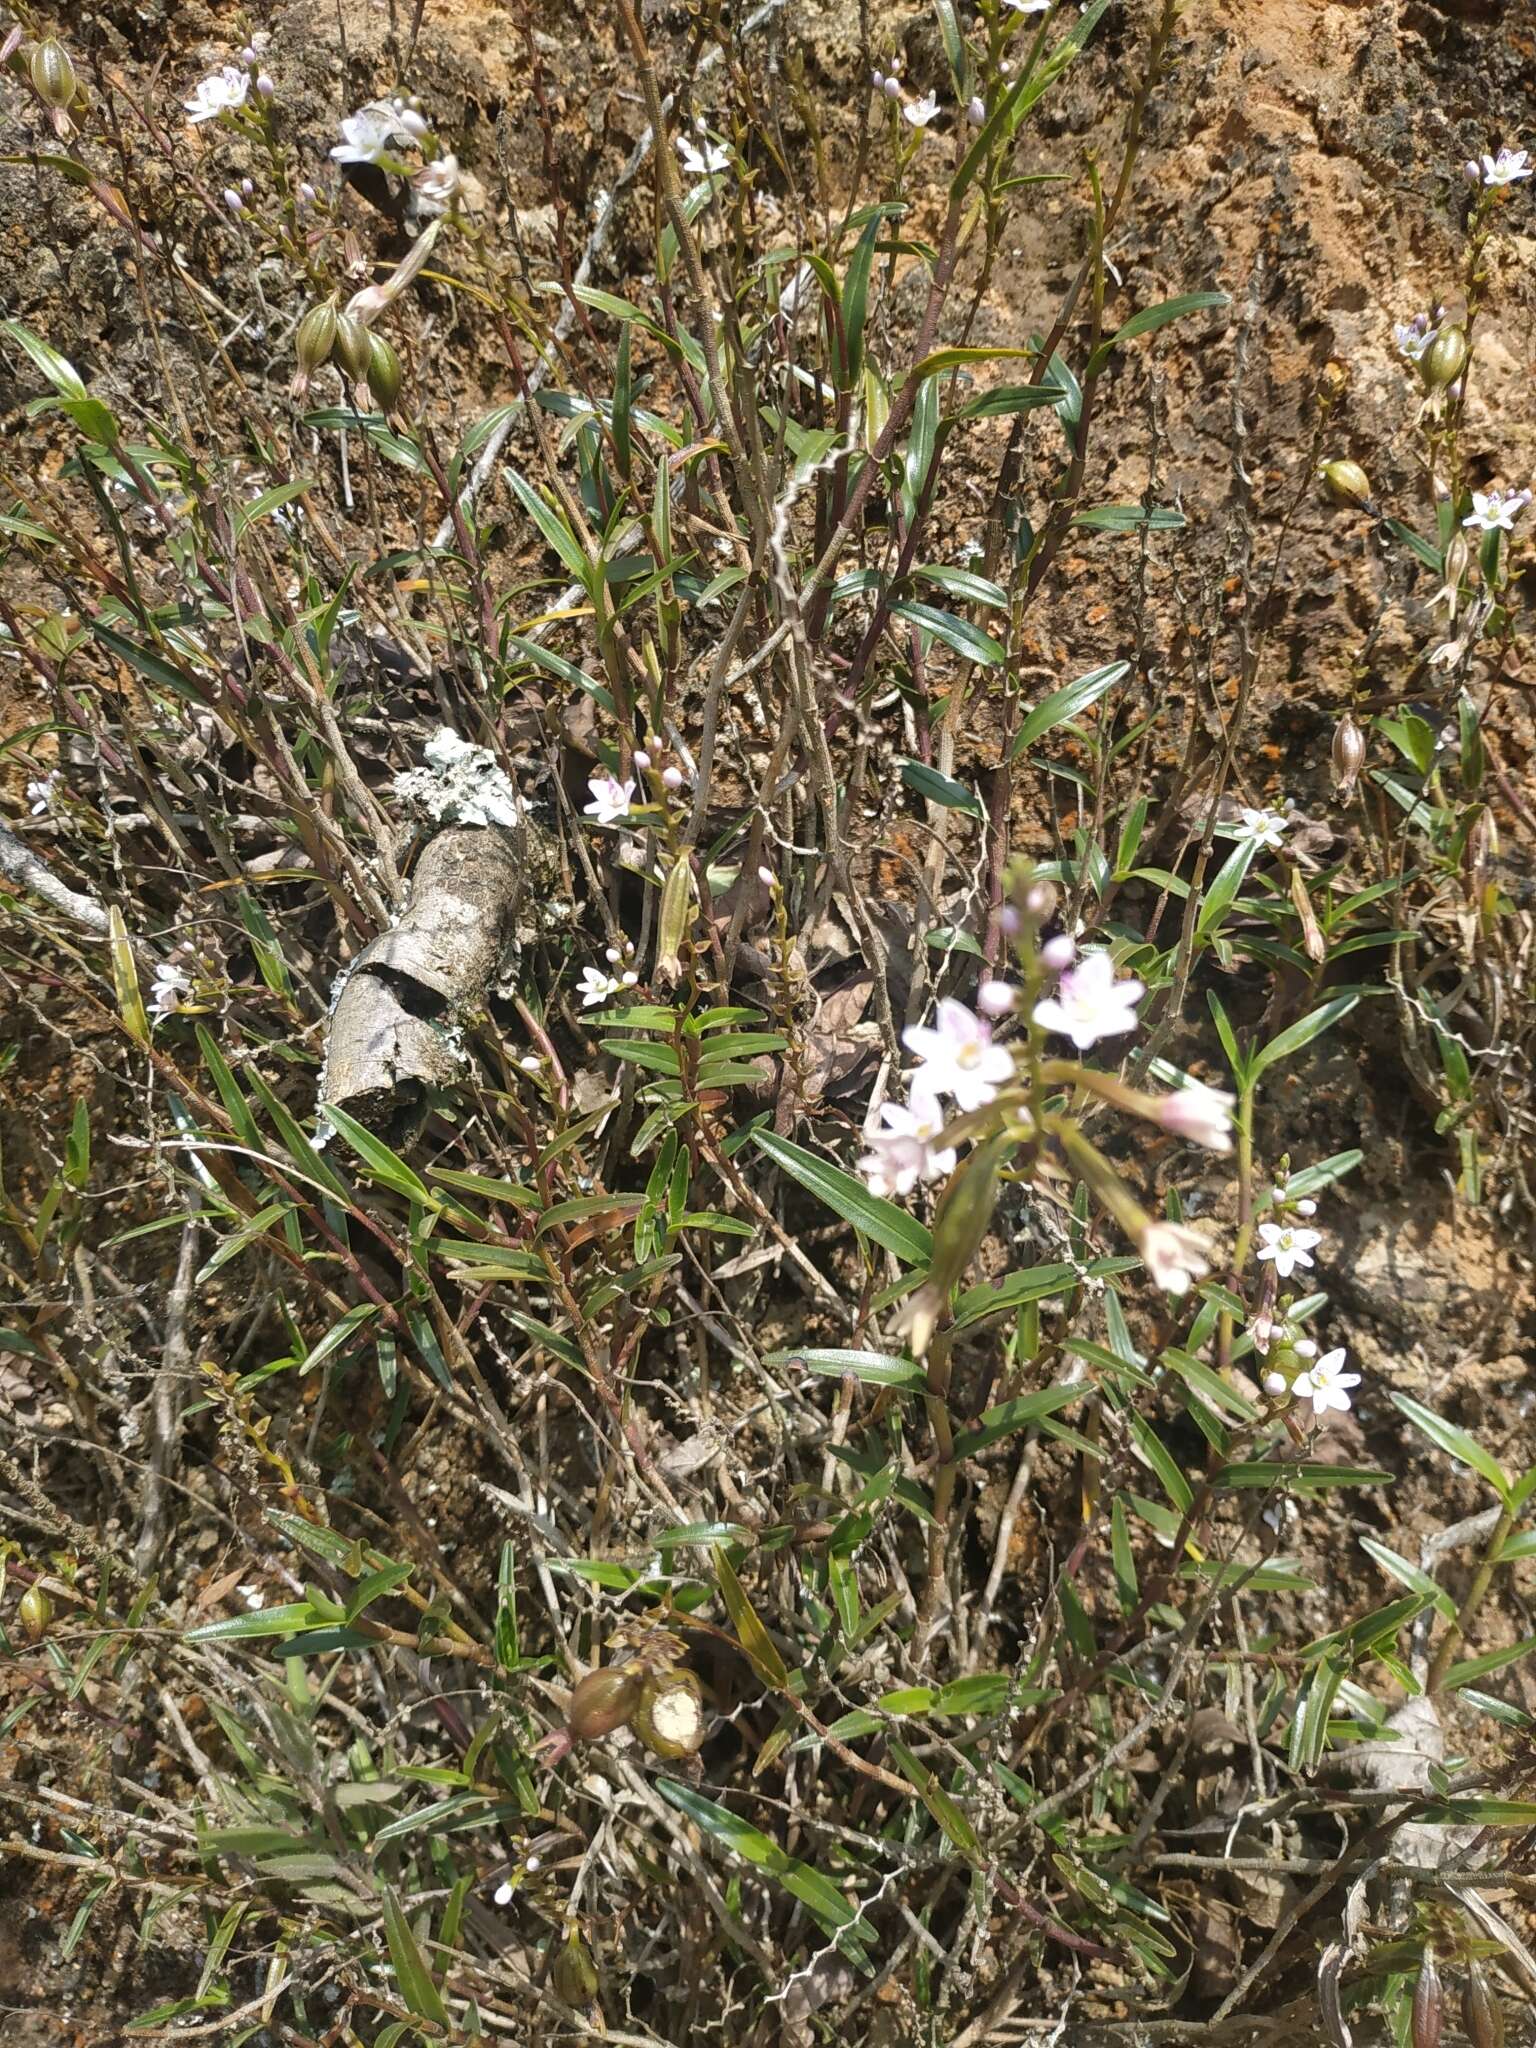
1305 158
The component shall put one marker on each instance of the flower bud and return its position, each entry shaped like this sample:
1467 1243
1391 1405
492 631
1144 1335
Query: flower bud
574 1975
976 111
307 195
265 89
233 200
1443 361
673 777
53 75
384 372
1348 755
603 1701
1481 2014
1428 2005
1345 482
34 1612
352 350
670 1717
892 89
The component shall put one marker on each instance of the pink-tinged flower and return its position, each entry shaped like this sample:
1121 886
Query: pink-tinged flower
611 799
437 185
906 1151
1507 168
1324 1384
220 93
958 1056
1287 1246
1174 1256
1496 510
170 984
918 113
996 998
1090 1004
1200 1113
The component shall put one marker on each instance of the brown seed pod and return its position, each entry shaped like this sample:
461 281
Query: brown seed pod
603 1701
670 1717
1348 755
1428 2004
1481 2013
34 1611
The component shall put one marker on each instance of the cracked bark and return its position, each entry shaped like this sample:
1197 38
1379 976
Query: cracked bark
390 1032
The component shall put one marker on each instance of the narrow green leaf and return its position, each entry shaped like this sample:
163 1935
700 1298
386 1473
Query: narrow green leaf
880 1221
1065 703
411 1972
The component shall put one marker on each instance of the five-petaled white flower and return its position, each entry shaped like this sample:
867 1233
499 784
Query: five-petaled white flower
905 1152
1174 1256
958 1056
219 93
918 113
1323 1383
1287 1246
611 799
703 163
1499 509
1201 1113
597 987
40 793
1264 828
1507 168
170 984
1090 1004
368 135
437 186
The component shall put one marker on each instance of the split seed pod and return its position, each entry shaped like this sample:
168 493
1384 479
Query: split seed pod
670 1717
1428 2004
1481 2013
603 1701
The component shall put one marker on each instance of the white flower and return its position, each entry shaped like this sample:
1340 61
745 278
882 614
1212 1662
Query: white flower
437 186
958 1056
1027 6
1264 828
1414 339
1288 1248
1174 1256
40 794
170 984
597 987
611 799
1090 1004
703 163
1507 168
1499 509
918 113
905 1152
367 135
1201 1113
220 93
1324 1384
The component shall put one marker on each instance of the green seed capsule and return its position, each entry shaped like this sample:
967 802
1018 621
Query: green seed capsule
1346 483
1445 358
52 74
352 347
670 1717
574 1976
34 1612
603 1701
316 337
384 373
1481 2013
